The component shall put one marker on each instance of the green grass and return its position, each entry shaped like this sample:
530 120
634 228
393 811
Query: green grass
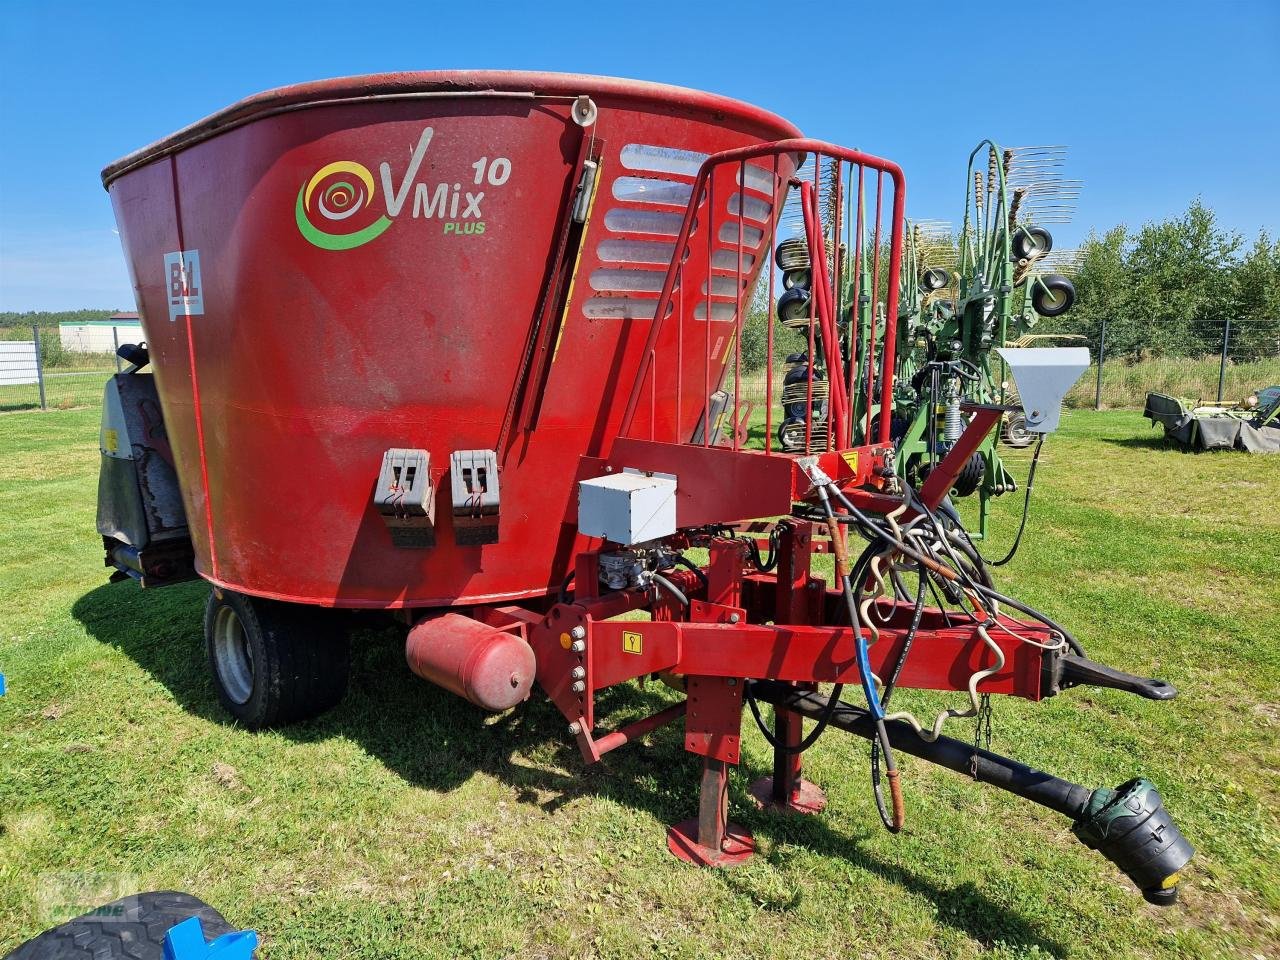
1126 385
407 824
64 388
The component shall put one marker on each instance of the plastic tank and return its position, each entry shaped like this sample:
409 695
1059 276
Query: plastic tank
333 269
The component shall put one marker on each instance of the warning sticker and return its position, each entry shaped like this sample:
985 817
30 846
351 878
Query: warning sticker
632 642
851 458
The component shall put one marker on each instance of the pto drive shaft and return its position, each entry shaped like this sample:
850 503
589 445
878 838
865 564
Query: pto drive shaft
1128 825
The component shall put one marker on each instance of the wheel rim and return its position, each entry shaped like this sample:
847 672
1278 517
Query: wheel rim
231 656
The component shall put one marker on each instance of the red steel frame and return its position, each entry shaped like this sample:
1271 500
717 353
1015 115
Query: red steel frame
741 624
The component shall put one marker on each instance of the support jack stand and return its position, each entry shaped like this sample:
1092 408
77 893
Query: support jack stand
709 840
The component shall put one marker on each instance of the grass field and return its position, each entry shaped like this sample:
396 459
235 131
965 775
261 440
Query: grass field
407 824
1127 384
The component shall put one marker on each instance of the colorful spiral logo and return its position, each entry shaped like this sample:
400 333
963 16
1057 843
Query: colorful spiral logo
335 194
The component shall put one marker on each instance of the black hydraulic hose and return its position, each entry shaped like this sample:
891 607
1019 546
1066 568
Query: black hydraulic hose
1026 508
564 586
1037 786
916 616
1035 614
895 823
682 561
992 594
859 571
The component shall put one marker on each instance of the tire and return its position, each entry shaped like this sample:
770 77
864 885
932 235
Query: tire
1015 434
793 307
791 435
136 933
934 279
792 254
799 277
1028 242
967 480
971 476
275 663
1053 295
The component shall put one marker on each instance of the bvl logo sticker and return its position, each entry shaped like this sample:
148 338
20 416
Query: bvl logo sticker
185 286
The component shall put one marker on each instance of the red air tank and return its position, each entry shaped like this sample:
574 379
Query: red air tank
423 262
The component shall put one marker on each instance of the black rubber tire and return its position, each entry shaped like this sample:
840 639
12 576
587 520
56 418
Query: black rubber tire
1030 241
298 658
136 933
1014 432
799 277
791 435
969 478
793 306
934 279
1053 295
792 254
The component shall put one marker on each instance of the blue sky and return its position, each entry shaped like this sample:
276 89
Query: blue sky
1158 101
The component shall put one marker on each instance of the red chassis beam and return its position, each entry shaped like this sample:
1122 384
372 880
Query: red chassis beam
782 626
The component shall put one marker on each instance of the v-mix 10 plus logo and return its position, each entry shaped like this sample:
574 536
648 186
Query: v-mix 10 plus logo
340 208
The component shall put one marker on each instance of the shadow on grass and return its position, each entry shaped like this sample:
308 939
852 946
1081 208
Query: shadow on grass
436 741
1152 441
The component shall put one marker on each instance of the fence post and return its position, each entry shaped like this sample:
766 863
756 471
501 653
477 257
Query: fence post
1102 352
115 338
35 336
1222 367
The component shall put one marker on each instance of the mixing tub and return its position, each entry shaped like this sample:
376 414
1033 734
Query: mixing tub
438 262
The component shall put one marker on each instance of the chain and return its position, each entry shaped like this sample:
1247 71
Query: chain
981 732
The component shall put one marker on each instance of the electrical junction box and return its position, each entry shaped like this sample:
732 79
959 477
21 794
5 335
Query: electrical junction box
405 497
628 507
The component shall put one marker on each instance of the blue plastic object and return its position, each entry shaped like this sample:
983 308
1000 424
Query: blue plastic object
185 941
2 686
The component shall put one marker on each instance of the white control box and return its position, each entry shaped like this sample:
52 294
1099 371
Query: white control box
628 508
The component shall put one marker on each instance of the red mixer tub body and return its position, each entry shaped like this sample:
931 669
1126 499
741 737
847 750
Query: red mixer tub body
333 270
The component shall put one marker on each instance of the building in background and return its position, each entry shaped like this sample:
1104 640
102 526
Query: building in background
100 336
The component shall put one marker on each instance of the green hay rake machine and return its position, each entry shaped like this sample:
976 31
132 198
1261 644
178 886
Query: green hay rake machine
960 304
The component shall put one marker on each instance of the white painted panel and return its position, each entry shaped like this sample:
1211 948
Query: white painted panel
17 362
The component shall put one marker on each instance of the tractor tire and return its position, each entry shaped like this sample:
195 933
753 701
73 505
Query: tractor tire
1053 295
1028 242
1015 434
132 928
275 663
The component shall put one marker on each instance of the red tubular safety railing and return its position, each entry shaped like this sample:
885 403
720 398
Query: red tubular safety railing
665 363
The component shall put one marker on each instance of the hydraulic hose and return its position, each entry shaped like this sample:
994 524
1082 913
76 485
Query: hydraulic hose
869 688
1026 508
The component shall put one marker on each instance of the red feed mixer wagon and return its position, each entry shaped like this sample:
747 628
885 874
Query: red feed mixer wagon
468 347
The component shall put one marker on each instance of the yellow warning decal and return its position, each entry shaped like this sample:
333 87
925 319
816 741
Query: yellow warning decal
112 440
851 458
632 642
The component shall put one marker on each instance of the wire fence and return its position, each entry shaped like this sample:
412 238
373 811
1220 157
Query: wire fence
1240 363
37 373
40 373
